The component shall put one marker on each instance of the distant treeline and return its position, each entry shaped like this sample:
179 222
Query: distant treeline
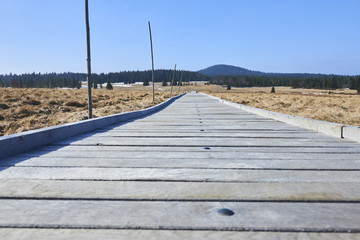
48 80
295 81
73 80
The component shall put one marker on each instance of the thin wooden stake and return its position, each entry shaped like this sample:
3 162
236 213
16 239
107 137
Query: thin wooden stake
172 81
152 61
180 82
88 58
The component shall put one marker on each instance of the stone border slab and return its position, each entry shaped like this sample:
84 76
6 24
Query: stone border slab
351 132
329 128
23 142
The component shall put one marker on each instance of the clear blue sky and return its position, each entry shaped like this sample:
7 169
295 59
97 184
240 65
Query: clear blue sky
315 36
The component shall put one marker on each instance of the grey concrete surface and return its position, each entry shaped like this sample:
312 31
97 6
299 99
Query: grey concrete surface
166 175
351 132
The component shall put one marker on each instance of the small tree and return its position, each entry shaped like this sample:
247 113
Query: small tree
109 86
78 84
358 90
228 86
273 89
164 83
146 82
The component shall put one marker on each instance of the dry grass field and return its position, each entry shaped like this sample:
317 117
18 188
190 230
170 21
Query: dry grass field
27 109
340 106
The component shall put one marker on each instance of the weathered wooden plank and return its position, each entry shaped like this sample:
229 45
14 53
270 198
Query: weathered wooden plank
214 130
170 174
202 135
181 191
194 155
193 118
324 164
90 234
246 149
183 125
206 142
125 234
208 134
181 215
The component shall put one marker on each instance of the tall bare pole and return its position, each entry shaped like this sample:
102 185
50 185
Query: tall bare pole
180 82
172 81
88 58
152 61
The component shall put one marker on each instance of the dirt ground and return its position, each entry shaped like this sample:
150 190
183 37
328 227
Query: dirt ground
27 109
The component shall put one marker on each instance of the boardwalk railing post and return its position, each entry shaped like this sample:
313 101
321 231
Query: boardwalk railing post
180 82
152 61
88 58
172 81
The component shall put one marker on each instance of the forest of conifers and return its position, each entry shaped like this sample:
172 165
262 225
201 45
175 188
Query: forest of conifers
73 80
296 81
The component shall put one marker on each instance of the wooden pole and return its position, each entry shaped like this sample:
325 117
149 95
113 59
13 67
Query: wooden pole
172 81
152 61
88 58
180 82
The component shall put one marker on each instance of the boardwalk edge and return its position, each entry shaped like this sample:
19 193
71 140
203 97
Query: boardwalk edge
26 141
329 128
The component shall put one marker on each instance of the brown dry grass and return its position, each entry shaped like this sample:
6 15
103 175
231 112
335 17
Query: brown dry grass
27 109
340 106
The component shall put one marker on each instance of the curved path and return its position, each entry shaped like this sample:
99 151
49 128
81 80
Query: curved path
167 176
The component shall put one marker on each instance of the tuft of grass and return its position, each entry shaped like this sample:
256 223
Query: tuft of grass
24 111
52 102
4 106
66 109
32 102
74 104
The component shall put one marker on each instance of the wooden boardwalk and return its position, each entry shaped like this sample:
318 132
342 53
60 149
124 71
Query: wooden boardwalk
167 176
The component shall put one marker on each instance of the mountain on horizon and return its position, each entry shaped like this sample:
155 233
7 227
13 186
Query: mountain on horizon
229 70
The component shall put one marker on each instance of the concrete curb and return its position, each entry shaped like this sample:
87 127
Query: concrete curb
26 141
329 128
351 132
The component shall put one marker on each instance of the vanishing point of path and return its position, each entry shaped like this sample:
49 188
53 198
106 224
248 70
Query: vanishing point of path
167 176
